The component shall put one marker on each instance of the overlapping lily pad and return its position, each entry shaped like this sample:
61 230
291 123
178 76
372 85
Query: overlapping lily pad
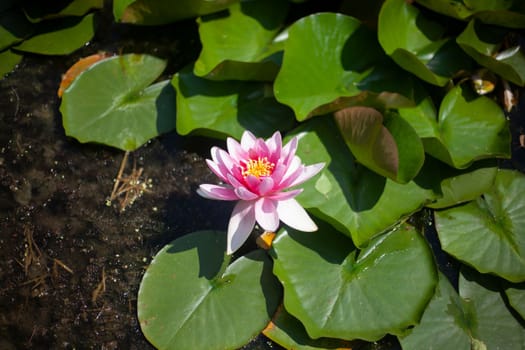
240 46
484 43
227 108
489 233
113 103
351 197
338 291
326 57
418 44
155 12
190 299
469 128
389 147
476 319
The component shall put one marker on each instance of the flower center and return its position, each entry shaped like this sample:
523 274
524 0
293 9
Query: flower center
258 167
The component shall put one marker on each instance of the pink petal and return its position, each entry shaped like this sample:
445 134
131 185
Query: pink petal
275 146
293 215
266 214
265 186
253 183
278 173
240 225
259 150
288 151
224 160
294 170
307 173
235 150
217 192
247 140
245 194
281 196
234 181
217 170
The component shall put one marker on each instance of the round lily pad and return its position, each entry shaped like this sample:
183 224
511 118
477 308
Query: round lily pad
190 299
113 103
337 291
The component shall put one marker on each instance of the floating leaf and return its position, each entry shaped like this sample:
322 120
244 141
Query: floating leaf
418 44
155 12
75 70
111 102
393 150
355 200
227 108
469 128
8 61
37 10
238 46
14 27
190 299
489 233
287 331
483 42
517 299
61 36
478 317
326 55
337 291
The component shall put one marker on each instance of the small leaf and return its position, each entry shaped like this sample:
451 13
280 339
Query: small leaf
189 299
60 36
155 12
418 44
482 43
238 46
489 233
111 102
227 108
337 291
357 201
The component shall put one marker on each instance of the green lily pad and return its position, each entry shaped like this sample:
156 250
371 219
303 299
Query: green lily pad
227 108
418 44
289 332
482 43
112 103
489 233
326 56
517 299
190 299
37 10
478 318
14 28
60 36
8 61
357 201
393 150
239 46
469 128
155 12
337 291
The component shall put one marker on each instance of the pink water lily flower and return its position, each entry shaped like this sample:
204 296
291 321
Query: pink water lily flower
257 173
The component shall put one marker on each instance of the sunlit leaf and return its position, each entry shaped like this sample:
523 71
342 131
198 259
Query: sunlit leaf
418 44
489 233
483 43
113 103
357 201
60 36
338 291
238 46
189 299
326 56
227 108
155 12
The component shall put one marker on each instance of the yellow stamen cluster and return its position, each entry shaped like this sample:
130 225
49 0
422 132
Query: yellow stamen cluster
258 167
